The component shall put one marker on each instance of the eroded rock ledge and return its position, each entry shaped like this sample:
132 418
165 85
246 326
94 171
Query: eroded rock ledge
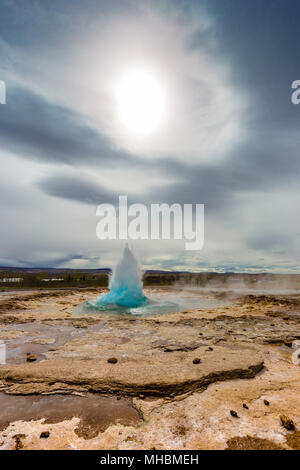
158 376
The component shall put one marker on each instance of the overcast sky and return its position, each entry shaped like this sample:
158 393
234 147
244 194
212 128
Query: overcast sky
229 138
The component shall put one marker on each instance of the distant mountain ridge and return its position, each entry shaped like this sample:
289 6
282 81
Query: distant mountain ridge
38 270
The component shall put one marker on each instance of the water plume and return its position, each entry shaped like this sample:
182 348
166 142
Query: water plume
126 296
126 288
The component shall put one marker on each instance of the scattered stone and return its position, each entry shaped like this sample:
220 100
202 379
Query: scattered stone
43 341
196 360
112 360
180 430
141 396
50 375
266 402
31 358
287 423
177 347
210 349
45 434
18 441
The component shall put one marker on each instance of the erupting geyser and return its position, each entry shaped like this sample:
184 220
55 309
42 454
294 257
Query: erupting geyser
126 288
126 296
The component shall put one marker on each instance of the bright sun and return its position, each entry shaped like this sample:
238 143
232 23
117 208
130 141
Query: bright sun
140 100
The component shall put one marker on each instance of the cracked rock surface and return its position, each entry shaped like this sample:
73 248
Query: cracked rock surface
244 350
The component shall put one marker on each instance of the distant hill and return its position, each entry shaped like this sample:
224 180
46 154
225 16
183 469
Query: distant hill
53 270
82 270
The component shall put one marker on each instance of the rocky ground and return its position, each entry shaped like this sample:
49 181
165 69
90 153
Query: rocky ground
220 378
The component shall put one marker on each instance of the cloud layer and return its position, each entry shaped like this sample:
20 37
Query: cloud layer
230 140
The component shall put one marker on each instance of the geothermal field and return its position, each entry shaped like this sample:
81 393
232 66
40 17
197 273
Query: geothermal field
164 367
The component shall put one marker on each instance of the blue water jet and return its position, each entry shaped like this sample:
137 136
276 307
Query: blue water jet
126 288
126 296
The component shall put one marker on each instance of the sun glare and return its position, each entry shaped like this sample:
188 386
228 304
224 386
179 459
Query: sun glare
140 101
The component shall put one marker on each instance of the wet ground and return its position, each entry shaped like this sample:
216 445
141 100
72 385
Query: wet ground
165 381
96 413
163 304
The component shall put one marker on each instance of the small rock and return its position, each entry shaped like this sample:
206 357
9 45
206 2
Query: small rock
266 402
31 358
112 360
43 341
45 434
210 349
245 406
141 396
287 423
18 441
234 414
196 360
118 398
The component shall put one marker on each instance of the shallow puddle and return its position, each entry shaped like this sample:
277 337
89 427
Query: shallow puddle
96 413
15 350
174 302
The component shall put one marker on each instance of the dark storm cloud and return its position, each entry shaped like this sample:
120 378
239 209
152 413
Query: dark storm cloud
34 128
76 188
259 39
37 129
253 166
56 262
